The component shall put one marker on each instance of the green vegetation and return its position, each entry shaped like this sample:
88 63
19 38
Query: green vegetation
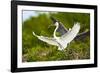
35 50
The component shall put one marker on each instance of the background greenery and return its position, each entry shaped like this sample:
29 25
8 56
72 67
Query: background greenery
35 50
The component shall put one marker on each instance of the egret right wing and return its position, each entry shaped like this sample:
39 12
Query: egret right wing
70 35
48 40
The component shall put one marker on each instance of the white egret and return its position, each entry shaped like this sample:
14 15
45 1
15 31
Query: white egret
64 39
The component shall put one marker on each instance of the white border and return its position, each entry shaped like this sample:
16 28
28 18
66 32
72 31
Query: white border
53 63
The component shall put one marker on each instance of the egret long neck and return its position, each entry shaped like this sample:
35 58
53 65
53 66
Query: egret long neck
55 30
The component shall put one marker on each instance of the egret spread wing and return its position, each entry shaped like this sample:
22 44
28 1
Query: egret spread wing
50 41
70 35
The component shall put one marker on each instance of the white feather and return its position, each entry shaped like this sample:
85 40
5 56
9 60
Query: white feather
70 35
50 41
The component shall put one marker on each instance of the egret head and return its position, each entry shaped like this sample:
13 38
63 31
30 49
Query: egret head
55 22
53 19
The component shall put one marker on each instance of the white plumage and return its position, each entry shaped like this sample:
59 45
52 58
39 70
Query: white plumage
62 41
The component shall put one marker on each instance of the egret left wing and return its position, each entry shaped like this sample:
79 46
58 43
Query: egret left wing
48 40
70 35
